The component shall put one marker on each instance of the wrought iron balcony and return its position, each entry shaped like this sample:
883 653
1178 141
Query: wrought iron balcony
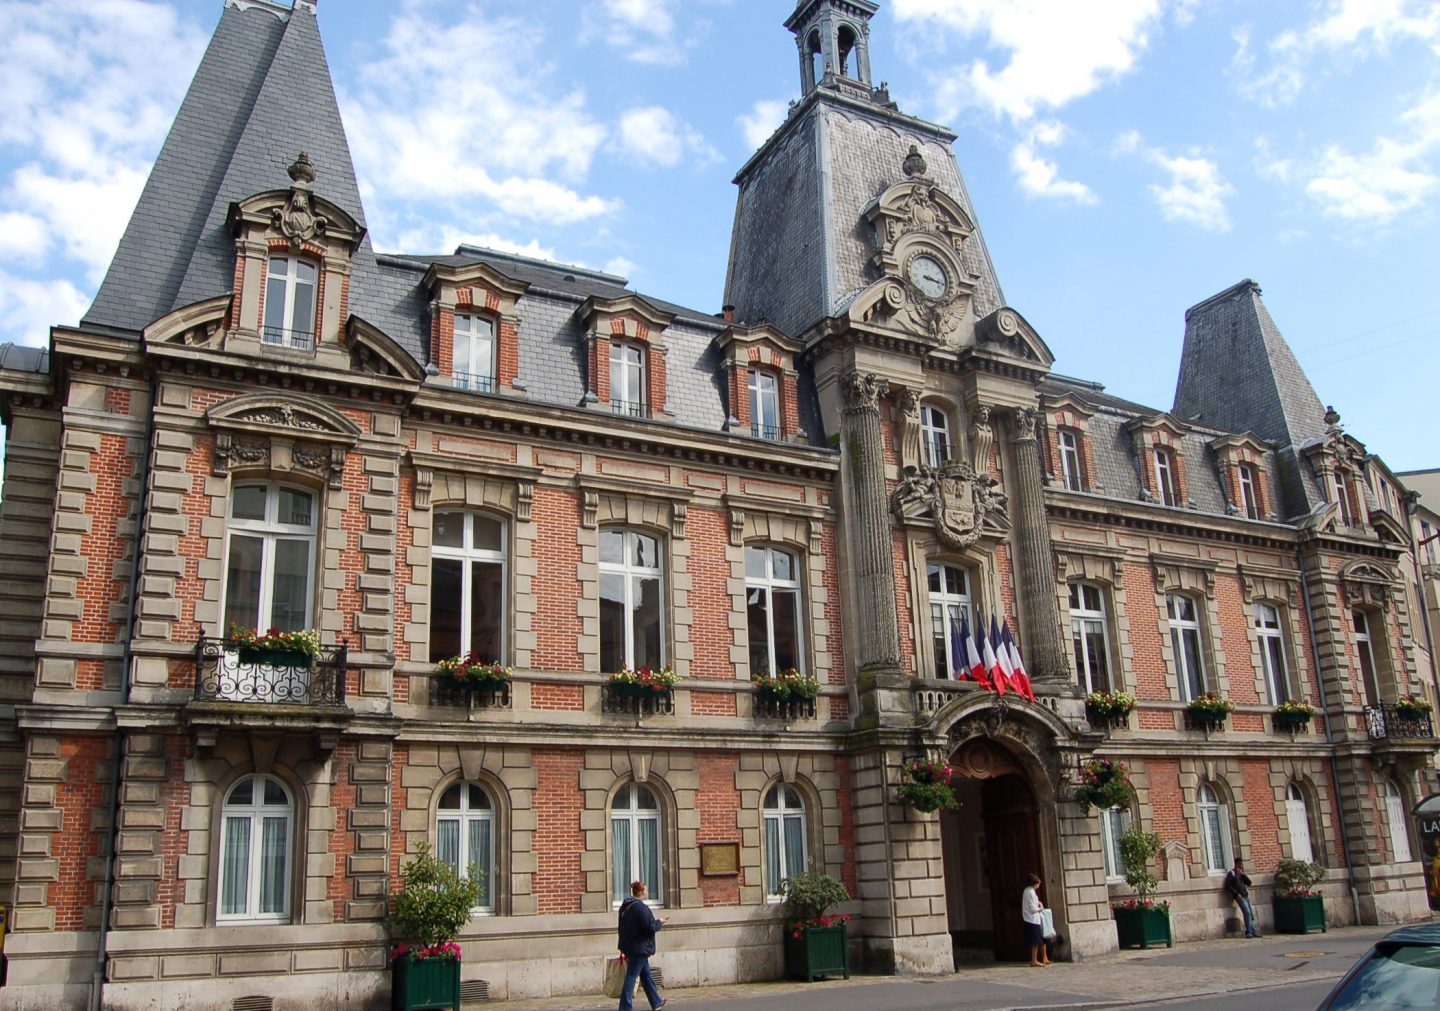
771 432
1391 722
296 340
224 672
630 408
490 696
636 700
773 707
475 381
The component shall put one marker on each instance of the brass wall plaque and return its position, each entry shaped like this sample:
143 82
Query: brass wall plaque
719 859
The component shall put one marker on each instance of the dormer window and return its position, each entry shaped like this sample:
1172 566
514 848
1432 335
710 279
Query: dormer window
290 303
627 379
934 435
474 353
1249 490
764 390
1342 499
1166 489
1070 472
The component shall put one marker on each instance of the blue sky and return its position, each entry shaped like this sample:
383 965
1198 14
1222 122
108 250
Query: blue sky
1127 158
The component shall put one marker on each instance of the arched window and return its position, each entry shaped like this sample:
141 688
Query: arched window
467 590
1270 638
630 601
1071 473
290 303
474 352
1214 828
256 843
465 837
764 388
270 552
949 587
635 843
1297 816
1399 829
1090 637
785 845
1185 643
845 44
627 379
1365 653
934 435
772 606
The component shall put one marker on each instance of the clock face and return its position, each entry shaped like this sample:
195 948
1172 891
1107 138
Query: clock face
928 276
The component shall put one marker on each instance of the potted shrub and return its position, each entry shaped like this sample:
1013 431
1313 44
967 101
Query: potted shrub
1104 784
1208 711
427 914
274 647
1294 715
1109 709
925 785
646 682
816 943
470 673
1141 921
1299 906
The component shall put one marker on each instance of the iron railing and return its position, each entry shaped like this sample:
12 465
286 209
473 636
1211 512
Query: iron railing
771 432
475 381
634 700
226 673
630 408
1387 722
297 340
770 707
495 696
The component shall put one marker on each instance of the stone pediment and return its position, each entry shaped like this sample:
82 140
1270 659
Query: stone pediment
374 351
1007 331
276 433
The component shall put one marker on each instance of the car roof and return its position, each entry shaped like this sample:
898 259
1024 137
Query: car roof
1420 933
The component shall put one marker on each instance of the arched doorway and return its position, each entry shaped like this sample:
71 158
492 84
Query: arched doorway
991 845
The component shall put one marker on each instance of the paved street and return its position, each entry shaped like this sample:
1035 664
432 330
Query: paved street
1285 973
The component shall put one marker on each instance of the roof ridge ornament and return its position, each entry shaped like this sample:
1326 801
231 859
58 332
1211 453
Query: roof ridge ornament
914 163
297 220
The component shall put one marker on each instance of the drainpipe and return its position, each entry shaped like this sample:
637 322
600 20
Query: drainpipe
107 901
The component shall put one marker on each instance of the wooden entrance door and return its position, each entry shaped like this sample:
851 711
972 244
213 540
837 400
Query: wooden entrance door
1012 851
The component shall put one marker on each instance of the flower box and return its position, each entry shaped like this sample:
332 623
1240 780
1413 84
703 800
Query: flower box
1300 914
1142 926
623 690
257 655
1294 722
1109 710
816 951
424 983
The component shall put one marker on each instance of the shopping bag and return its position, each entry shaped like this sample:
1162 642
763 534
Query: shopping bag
1047 927
614 975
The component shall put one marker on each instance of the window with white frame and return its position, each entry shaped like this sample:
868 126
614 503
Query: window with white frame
1249 490
1113 824
1365 653
627 379
1166 489
256 852
269 557
635 843
772 609
1426 542
1297 818
467 587
1090 637
474 352
630 601
1399 830
465 837
764 404
785 845
1070 472
949 587
1342 499
934 435
290 302
1269 636
1214 828
1185 645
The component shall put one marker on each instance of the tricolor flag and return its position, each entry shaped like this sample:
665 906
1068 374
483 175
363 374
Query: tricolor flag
992 663
1002 669
1020 679
978 671
959 634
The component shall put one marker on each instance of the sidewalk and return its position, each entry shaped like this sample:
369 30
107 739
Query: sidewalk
1193 969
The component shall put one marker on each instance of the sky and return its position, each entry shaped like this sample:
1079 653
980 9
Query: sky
1126 158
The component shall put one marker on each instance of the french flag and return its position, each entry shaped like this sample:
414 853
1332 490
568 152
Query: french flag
959 635
1018 677
993 670
1001 670
978 671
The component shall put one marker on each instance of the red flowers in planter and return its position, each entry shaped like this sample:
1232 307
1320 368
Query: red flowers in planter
799 928
420 952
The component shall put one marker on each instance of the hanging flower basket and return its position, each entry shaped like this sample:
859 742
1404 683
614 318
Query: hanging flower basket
925 785
1104 784
470 673
787 685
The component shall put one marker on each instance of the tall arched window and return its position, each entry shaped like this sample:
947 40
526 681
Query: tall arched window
1399 829
949 587
934 435
1269 637
256 842
1090 637
1297 817
474 352
1113 824
1214 828
785 845
1185 644
772 606
627 379
465 837
467 593
630 601
635 843
270 552
1365 652
290 288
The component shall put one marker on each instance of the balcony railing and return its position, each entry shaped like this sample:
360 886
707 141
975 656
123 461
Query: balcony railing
771 707
296 340
475 381
226 673
496 696
630 408
635 700
1392 722
771 432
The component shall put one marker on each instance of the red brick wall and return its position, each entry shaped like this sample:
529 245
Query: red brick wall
79 797
844 801
1147 665
174 840
1167 805
557 516
341 887
570 698
831 580
558 881
399 839
103 547
1262 840
719 804
709 570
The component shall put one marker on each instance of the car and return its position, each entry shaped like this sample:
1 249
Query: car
1401 970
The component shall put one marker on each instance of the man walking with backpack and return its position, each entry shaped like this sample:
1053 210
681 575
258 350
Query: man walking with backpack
638 927
1237 883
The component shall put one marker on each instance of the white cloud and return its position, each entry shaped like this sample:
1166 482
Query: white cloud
23 237
642 31
1270 166
655 136
435 238
85 213
1040 177
1196 191
28 308
763 119
619 266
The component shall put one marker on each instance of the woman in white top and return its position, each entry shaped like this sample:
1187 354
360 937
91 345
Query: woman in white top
1030 910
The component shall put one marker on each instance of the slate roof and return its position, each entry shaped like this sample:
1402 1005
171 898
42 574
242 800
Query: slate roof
21 358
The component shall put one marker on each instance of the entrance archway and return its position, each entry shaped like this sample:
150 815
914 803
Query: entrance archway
991 845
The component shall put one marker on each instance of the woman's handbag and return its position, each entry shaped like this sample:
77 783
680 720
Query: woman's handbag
1047 926
614 976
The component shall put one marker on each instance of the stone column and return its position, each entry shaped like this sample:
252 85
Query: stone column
863 441
1043 646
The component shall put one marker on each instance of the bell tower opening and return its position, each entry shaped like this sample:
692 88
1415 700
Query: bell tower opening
833 37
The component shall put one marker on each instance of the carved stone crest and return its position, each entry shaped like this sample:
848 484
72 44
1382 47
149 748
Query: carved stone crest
297 220
960 501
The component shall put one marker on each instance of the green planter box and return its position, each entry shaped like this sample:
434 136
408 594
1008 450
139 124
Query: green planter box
818 951
1303 914
425 983
275 657
1142 927
623 690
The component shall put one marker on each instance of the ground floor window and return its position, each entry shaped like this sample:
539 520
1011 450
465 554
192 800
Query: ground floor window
255 851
